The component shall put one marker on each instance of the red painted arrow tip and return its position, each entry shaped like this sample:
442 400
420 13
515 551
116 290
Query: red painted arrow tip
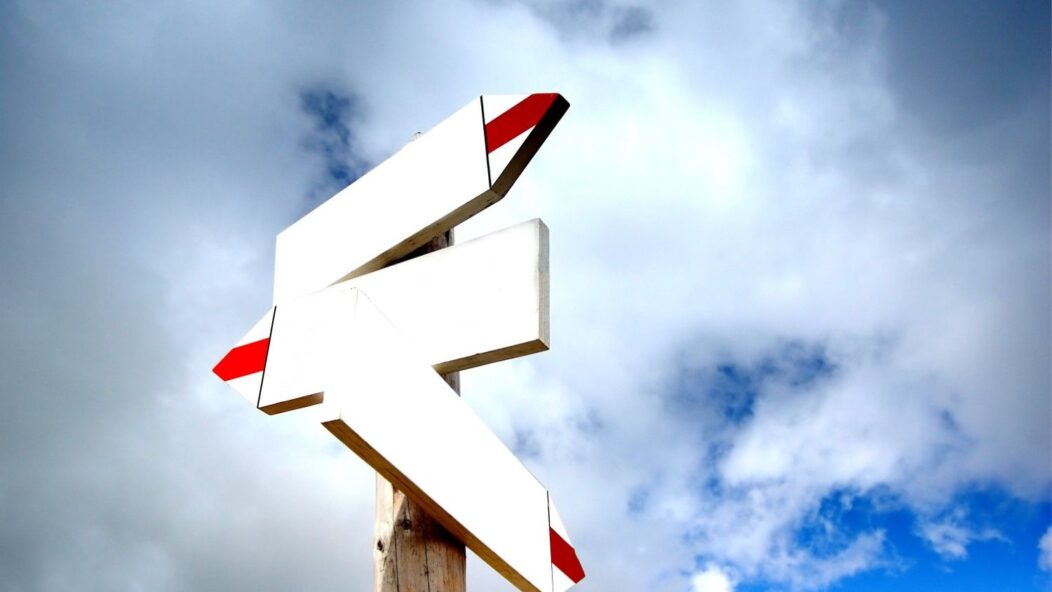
243 360
525 114
565 558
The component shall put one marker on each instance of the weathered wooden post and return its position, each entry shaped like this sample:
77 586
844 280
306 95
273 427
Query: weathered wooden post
412 552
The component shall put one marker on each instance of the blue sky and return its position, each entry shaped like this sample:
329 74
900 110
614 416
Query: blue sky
800 285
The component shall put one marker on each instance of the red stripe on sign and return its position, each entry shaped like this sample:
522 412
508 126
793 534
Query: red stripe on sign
243 360
524 115
565 558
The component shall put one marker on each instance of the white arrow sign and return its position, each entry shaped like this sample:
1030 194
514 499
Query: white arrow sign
442 178
366 342
337 348
442 307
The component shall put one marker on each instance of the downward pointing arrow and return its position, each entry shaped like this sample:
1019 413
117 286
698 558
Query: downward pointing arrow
564 557
487 498
368 379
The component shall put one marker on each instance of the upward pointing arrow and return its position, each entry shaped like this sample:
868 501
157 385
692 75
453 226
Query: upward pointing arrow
458 168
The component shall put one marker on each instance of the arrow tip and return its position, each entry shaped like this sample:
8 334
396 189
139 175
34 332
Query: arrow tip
242 367
566 567
514 127
243 360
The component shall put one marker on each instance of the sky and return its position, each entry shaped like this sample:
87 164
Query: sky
800 285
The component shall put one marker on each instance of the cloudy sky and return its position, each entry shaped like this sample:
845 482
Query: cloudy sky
800 285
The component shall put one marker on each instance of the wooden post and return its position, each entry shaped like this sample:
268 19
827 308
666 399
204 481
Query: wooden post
413 553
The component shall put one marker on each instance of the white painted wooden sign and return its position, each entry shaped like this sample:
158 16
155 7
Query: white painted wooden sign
461 323
367 342
440 179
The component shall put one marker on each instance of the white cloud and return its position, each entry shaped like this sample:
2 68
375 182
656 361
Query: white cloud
951 536
1044 559
711 579
948 540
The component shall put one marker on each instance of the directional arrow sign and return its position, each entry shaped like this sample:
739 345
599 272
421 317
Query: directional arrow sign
337 348
452 172
461 323
365 340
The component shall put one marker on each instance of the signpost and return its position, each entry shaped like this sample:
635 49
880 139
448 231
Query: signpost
367 342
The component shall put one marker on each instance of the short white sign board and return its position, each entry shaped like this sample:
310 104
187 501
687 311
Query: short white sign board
478 302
